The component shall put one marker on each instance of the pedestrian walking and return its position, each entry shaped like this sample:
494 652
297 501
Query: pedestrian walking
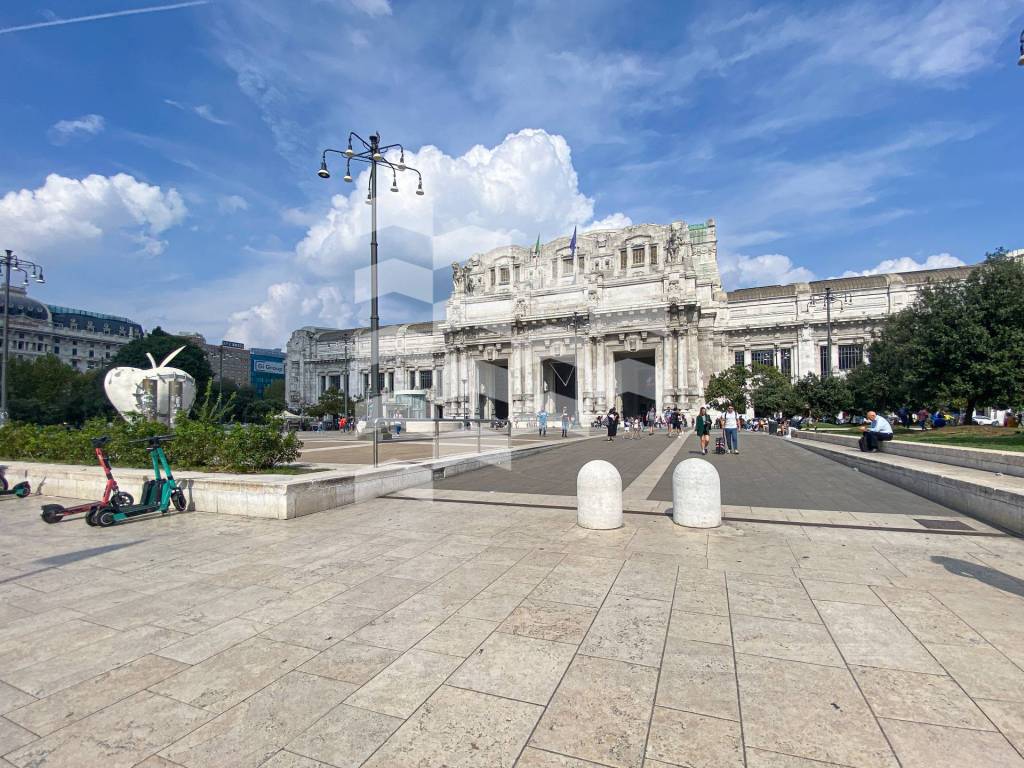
652 417
731 427
613 423
565 423
703 427
677 424
542 423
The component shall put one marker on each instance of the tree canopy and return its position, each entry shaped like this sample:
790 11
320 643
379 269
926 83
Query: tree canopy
731 385
824 397
46 391
772 392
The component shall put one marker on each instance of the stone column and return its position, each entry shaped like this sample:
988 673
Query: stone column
692 362
682 370
609 372
667 375
586 377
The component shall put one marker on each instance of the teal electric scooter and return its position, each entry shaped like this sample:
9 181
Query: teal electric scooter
19 491
158 494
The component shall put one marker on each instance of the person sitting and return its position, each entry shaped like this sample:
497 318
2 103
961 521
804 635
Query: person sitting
875 431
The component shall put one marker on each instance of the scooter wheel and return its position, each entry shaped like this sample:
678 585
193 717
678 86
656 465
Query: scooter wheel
90 517
178 499
105 518
52 513
121 499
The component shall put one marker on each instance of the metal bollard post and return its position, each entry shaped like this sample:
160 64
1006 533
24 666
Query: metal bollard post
437 439
375 428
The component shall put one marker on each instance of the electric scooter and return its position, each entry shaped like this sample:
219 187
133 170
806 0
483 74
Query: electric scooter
157 494
19 491
112 495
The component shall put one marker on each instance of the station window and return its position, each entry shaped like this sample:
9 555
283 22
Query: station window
654 254
491 272
622 258
850 356
504 275
426 379
762 357
567 266
412 379
518 273
823 354
786 361
638 256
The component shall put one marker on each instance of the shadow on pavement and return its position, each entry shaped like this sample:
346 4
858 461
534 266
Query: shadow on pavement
982 573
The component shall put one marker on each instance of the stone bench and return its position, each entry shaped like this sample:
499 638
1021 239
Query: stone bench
996 499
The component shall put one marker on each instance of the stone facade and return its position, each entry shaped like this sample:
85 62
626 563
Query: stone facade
636 317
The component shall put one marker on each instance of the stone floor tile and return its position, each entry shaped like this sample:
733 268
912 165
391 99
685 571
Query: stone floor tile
600 712
350 662
35 624
682 738
405 684
345 736
759 758
231 676
629 629
871 636
65 638
927 618
52 675
790 640
116 737
402 627
153 761
932 746
286 759
13 736
490 607
645 580
701 627
294 602
538 758
808 711
322 625
382 593
699 678
425 567
71 704
933 699
201 646
549 621
502 555
458 636
516 667
249 733
754 598
209 614
578 580
457 728
982 671
840 592
12 698
701 592
1008 717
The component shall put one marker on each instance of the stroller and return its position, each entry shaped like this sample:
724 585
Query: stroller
719 445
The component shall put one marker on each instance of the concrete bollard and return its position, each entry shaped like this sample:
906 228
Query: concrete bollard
599 496
696 494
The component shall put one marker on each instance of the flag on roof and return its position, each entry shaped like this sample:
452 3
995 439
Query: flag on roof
572 243
536 248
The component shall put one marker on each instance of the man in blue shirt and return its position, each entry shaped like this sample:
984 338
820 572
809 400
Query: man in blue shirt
875 431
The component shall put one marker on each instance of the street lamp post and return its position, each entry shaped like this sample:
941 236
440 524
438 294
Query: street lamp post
373 154
576 321
10 263
828 299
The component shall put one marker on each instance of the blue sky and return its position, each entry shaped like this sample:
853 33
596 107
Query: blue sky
162 164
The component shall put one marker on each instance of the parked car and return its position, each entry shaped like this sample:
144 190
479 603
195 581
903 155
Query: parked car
986 421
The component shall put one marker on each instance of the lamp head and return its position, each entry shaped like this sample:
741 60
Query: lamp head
401 161
377 155
369 200
348 172
348 150
394 185
323 173
419 188
40 278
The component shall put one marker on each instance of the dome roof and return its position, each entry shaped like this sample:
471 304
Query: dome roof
22 305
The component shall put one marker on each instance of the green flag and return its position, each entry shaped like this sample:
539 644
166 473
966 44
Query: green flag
536 248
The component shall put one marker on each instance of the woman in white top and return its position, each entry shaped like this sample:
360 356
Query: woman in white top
731 427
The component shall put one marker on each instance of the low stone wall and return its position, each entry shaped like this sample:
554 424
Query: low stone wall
964 489
987 460
273 496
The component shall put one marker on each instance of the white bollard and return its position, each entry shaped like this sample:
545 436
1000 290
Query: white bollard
696 494
599 496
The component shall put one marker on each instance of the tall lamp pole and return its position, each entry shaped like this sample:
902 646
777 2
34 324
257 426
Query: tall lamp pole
10 262
828 298
576 321
373 154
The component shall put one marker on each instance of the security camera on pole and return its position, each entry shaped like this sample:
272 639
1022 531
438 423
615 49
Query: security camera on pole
373 154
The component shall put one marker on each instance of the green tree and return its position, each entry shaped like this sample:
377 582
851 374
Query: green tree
331 403
160 344
274 392
824 397
45 391
772 392
731 385
870 390
961 341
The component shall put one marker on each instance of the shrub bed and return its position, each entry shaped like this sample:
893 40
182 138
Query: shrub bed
198 444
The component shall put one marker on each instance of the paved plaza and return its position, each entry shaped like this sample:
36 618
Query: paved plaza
488 630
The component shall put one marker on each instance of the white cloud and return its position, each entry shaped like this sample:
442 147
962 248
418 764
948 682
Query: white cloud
86 125
739 271
205 112
908 264
488 197
615 221
373 7
66 212
232 204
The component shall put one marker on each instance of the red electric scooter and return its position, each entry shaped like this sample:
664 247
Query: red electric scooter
112 496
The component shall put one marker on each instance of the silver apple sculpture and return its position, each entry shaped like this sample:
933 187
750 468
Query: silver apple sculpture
159 393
